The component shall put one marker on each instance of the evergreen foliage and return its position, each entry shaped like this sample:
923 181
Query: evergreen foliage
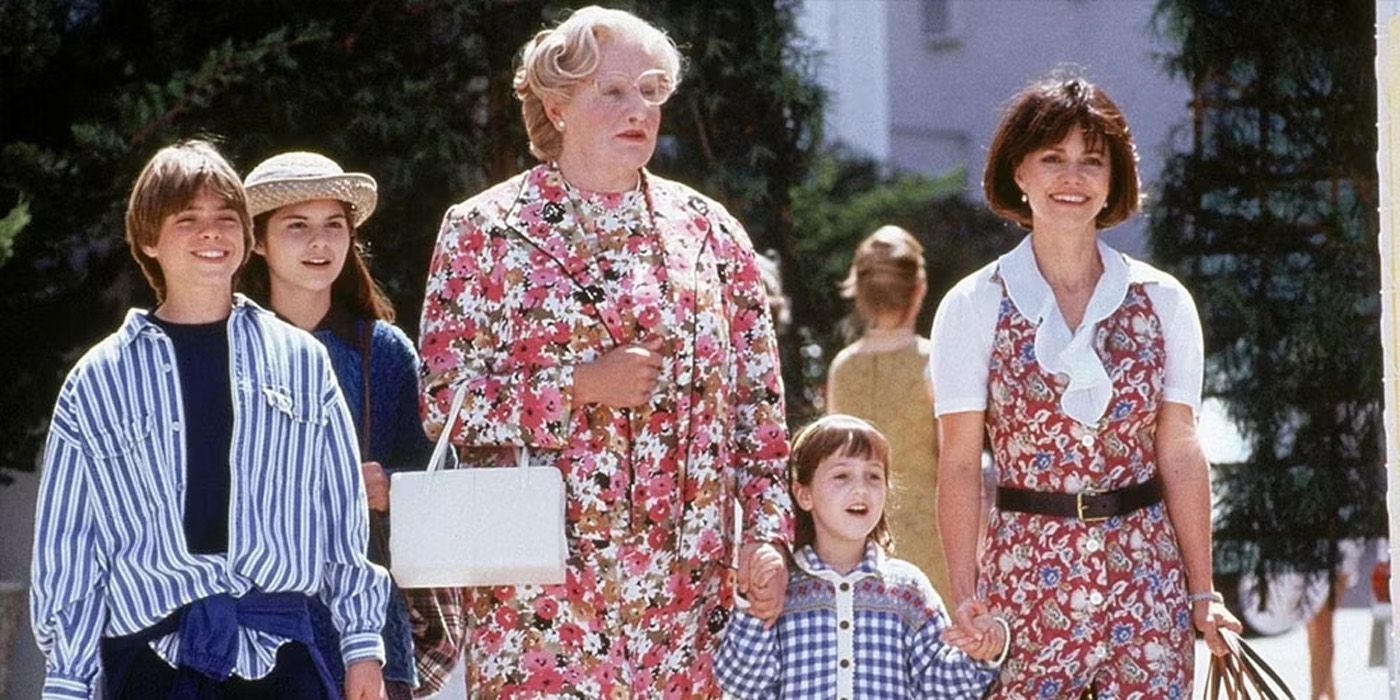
414 92
1270 220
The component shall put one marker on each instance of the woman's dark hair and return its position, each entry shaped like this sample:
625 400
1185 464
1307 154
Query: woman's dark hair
1041 115
354 288
836 434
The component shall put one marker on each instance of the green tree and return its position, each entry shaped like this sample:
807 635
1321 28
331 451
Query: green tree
415 92
1270 220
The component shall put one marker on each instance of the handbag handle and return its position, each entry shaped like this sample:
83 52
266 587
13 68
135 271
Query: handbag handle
1242 673
440 449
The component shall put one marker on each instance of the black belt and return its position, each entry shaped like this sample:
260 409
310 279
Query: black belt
1087 506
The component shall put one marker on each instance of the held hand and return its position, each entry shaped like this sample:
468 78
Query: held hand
763 579
989 646
364 680
976 631
1209 617
623 377
765 563
376 485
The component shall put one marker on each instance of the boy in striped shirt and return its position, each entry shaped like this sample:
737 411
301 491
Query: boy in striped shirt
201 480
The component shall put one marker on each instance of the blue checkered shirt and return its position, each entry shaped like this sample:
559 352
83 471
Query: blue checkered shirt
873 633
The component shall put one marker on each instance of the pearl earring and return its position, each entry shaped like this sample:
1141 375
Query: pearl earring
1024 198
560 124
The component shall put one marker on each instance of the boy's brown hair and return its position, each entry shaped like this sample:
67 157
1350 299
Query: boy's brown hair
888 266
836 434
1041 115
171 180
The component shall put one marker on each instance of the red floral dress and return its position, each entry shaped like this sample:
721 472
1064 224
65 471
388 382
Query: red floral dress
1098 601
530 279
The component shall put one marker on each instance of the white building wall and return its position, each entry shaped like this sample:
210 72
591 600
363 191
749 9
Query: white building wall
945 92
851 38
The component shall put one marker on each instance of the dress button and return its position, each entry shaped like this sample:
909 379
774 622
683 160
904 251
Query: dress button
845 587
845 663
845 624
1096 598
1087 441
1092 545
175 427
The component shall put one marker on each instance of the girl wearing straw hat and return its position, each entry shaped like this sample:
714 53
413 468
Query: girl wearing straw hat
310 269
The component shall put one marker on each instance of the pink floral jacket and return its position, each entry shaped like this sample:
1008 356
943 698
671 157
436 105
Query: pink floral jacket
516 299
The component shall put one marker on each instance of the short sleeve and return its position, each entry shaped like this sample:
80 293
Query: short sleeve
962 336
1183 340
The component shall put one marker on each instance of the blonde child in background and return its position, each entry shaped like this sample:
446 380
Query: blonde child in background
883 378
856 623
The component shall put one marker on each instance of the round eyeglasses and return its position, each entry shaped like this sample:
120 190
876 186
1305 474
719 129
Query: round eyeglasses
654 86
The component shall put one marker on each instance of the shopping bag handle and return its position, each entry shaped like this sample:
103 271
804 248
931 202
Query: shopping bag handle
445 438
1242 674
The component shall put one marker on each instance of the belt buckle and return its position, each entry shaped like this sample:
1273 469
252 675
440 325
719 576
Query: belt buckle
1079 508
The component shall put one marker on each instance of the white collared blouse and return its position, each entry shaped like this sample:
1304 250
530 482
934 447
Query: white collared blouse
964 329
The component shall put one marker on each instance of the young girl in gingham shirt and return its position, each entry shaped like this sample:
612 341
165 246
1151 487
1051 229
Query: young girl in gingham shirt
856 623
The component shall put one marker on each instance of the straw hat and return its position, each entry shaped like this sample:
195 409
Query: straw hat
299 176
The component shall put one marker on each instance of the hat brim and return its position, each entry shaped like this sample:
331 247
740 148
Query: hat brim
357 189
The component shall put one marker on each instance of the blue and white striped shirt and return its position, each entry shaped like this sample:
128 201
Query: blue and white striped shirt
872 633
110 556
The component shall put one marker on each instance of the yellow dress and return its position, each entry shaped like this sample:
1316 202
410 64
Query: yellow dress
883 379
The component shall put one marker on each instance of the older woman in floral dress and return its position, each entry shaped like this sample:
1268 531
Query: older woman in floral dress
615 322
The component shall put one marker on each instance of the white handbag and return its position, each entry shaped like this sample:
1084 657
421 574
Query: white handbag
476 526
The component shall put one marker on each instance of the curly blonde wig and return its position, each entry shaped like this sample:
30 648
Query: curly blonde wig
555 60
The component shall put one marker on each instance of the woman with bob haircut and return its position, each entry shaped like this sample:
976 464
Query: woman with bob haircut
1084 368
615 322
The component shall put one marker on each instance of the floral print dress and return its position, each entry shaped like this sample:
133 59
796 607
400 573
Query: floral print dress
1104 601
532 278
